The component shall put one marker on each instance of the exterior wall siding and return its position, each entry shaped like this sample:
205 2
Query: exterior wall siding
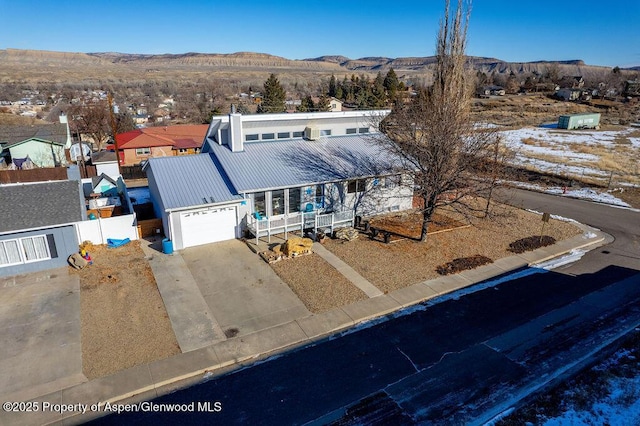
65 241
41 153
130 157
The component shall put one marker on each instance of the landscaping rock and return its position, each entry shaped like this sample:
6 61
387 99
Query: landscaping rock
348 234
296 246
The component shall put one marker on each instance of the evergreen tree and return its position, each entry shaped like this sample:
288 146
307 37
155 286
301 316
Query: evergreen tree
333 89
306 104
391 84
273 97
379 97
323 104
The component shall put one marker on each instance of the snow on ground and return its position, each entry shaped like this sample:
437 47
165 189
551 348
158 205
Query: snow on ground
582 193
621 407
557 146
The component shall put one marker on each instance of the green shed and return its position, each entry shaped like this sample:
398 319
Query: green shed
579 121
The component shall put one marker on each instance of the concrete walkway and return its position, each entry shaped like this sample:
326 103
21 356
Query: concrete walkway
346 270
145 382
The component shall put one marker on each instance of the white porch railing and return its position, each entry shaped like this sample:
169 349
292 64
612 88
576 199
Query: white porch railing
266 227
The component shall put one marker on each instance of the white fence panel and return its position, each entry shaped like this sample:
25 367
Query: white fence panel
99 230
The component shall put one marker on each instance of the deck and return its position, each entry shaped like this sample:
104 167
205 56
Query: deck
315 221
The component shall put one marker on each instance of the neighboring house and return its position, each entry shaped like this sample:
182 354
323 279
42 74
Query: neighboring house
568 94
572 81
632 88
274 173
139 145
186 146
44 144
491 91
335 104
106 163
37 229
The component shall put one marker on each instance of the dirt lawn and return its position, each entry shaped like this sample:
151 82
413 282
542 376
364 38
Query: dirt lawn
123 318
406 262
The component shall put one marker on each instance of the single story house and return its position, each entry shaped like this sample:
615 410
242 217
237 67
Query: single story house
573 94
37 229
139 145
275 173
44 144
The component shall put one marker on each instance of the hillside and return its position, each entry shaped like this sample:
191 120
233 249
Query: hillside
46 66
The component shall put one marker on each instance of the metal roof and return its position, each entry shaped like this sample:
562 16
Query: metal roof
38 205
190 180
298 162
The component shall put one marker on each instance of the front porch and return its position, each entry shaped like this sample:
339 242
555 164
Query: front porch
327 222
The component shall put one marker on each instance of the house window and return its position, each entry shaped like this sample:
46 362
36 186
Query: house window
294 200
182 150
197 150
298 134
352 131
24 250
363 130
354 186
284 135
252 137
268 136
143 151
277 202
392 181
326 132
320 196
259 204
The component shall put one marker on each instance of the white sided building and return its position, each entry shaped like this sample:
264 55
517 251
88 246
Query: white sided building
265 174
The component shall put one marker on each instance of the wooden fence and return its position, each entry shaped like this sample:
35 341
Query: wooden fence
43 174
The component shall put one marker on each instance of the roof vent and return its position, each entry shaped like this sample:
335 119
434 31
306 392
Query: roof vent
311 133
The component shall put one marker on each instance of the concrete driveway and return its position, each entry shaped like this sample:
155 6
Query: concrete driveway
40 334
242 291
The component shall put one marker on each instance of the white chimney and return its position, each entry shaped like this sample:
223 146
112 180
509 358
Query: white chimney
235 132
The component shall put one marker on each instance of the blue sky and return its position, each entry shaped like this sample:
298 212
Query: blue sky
598 32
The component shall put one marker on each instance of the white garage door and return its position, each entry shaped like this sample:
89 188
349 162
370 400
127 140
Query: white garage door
208 226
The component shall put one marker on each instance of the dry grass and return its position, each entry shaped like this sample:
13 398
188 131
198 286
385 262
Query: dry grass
123 318
316 283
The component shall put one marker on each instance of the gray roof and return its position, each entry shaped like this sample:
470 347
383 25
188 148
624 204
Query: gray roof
190 180
103 157
298 162
97 179
38 205
14 134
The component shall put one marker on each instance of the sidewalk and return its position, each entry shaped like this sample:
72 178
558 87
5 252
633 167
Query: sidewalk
145 382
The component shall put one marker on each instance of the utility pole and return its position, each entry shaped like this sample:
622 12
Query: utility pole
114 128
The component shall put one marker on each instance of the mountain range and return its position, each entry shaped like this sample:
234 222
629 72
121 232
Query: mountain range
47 63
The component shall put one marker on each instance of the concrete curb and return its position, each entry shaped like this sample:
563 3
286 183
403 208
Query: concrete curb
148 381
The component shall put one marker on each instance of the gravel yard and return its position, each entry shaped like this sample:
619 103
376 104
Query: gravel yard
403 263
123 318
406 262
319 285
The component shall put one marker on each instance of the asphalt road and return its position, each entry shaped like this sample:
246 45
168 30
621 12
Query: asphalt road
622 224
456 362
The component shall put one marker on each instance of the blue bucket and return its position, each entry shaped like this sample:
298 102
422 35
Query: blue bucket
167 246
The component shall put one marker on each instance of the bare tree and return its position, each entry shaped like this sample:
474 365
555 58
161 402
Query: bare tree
433 134
91 120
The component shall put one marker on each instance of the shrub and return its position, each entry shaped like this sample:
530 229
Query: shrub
463 264
531 243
